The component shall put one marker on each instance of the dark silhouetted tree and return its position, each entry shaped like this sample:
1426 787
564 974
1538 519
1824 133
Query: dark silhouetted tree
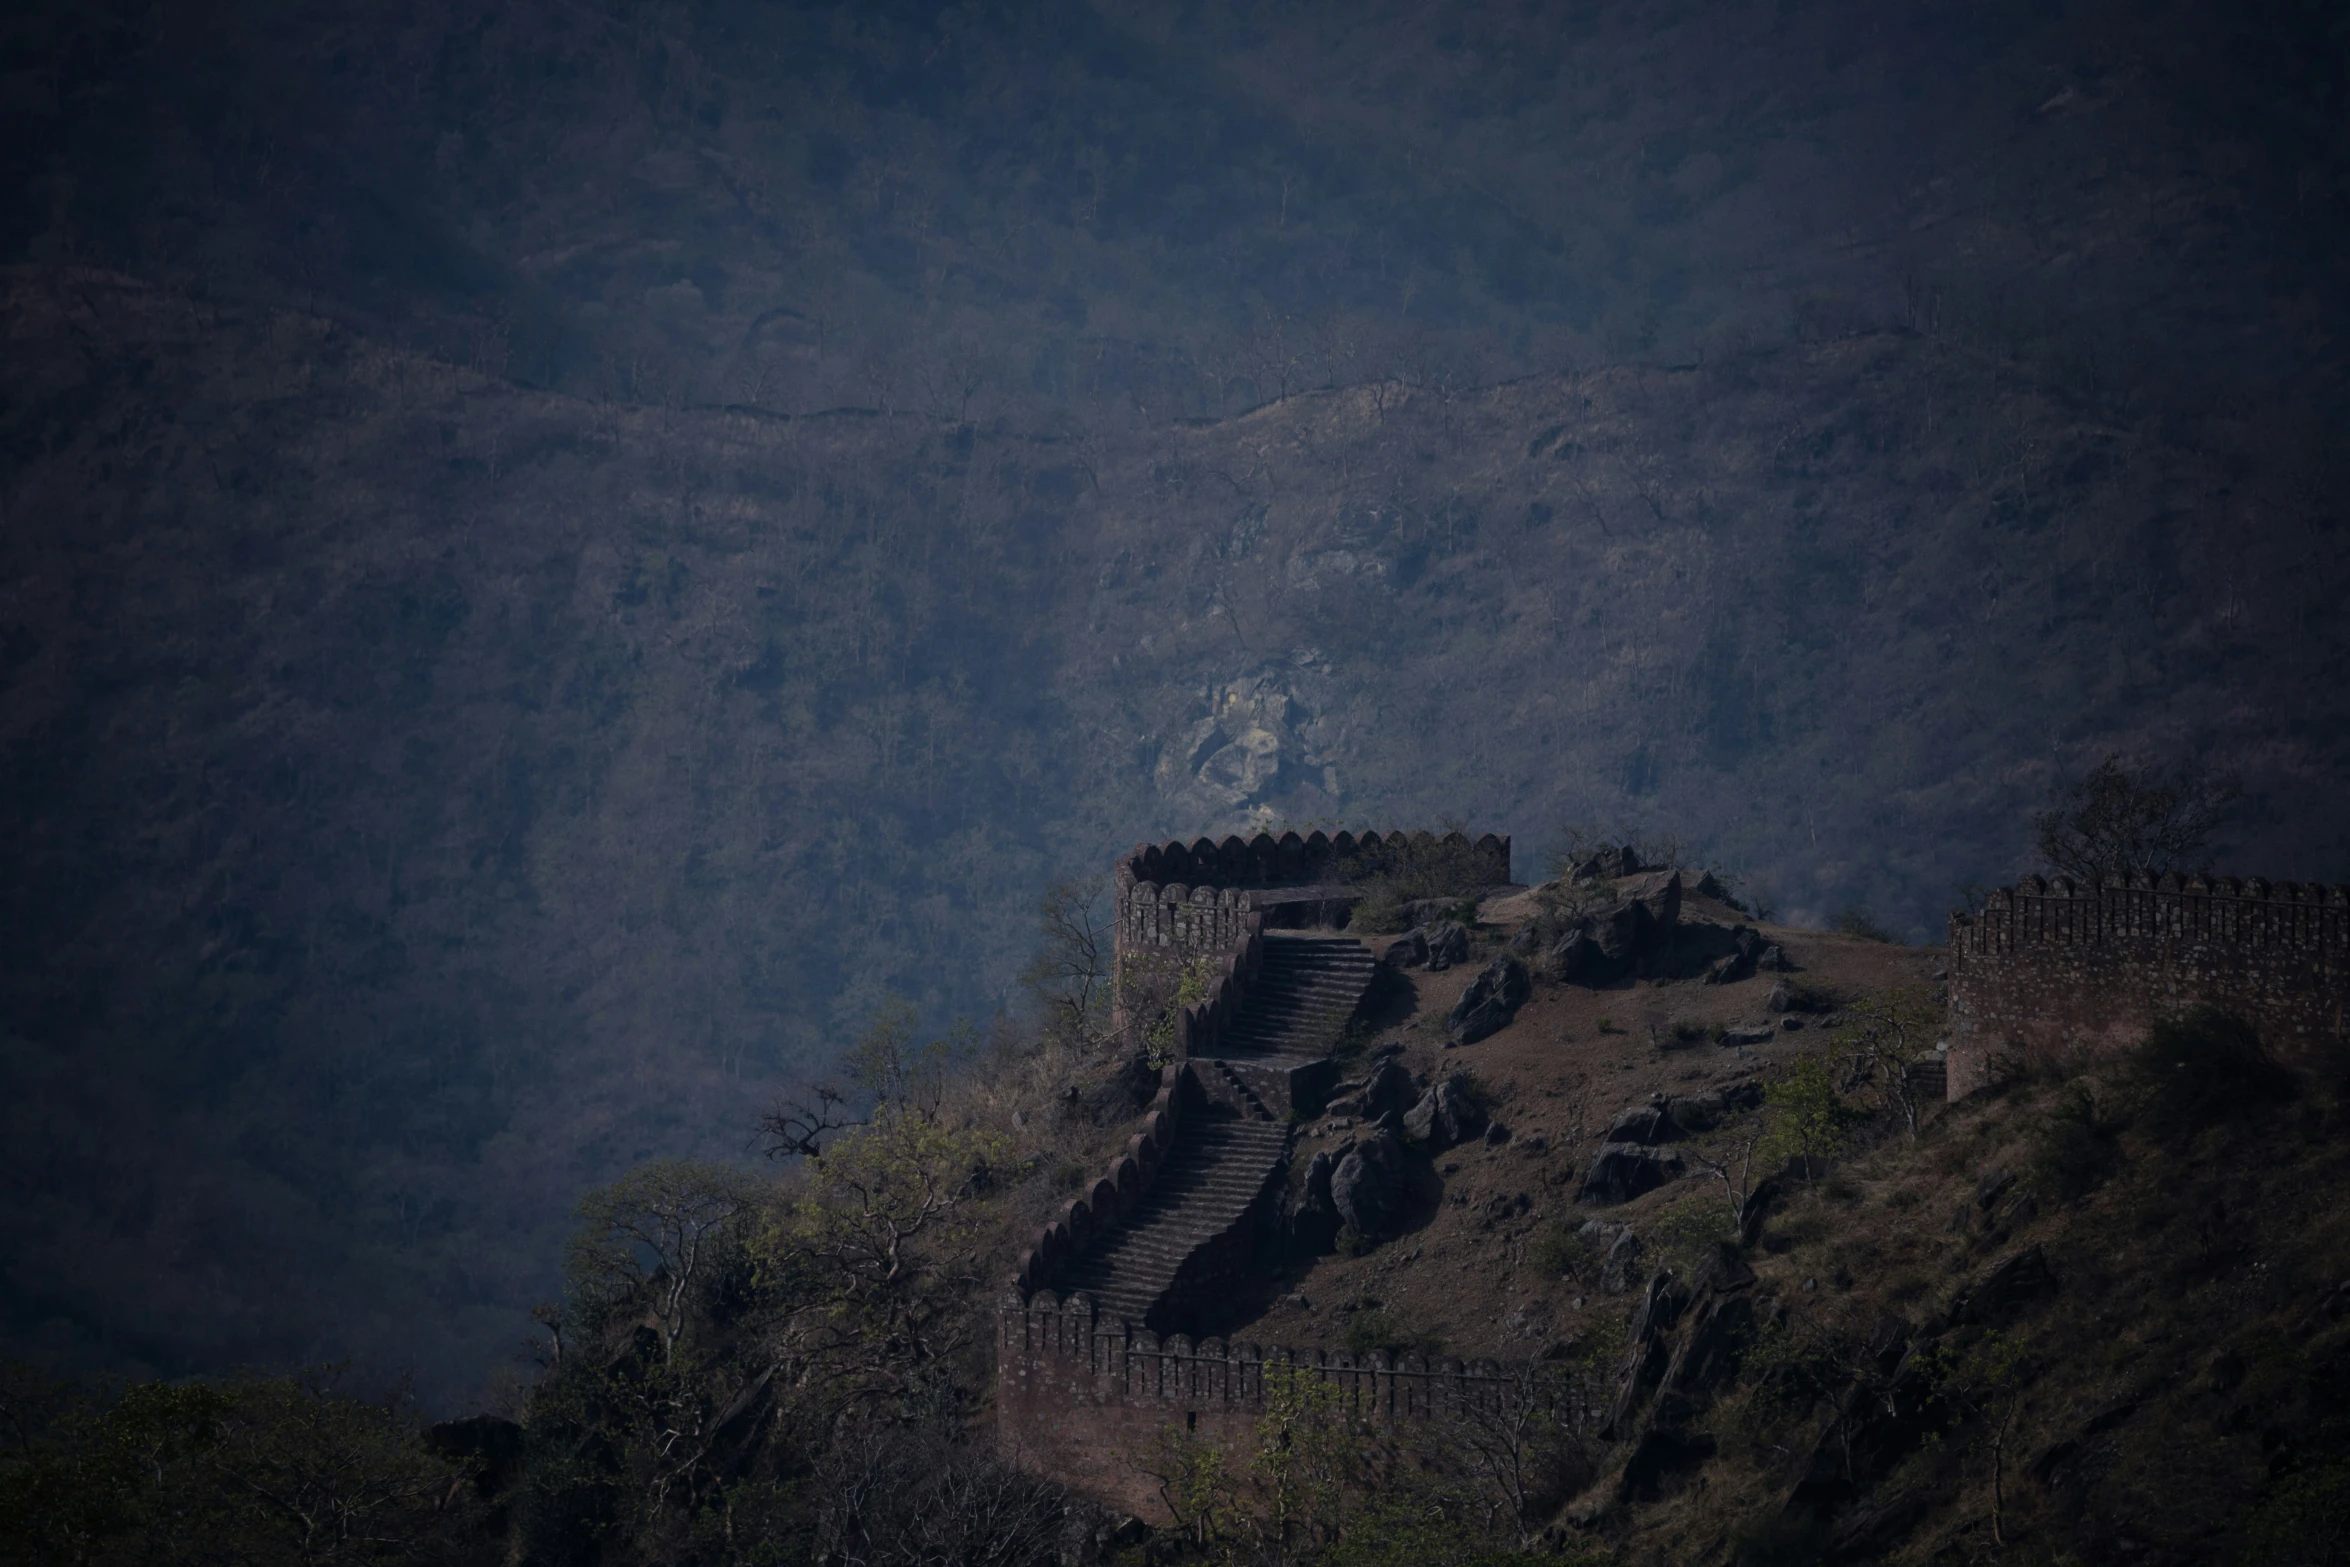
2118 820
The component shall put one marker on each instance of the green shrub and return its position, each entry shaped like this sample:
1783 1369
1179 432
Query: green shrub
1563 1251
1380 911
2203 1067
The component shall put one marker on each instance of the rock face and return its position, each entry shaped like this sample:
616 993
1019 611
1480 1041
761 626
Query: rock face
1741 962
1386 1092
1314 1224
1703 1112
1632 935
1622 1265
1367 1186
1622 1171
1389 1092
1448 944
1608 864
1408 950
1646 1125
1491 1000
1446 1114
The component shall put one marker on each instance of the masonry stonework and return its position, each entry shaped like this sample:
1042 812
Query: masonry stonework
1207 899
1086 1398
2051 973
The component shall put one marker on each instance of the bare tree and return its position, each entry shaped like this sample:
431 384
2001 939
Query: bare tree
795 1127
1070 974
2120 820
657 1233
1734 1171
1887 1035
1523 1451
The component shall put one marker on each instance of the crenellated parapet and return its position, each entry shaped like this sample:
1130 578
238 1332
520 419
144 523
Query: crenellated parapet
1264 861
1084 1395
2249 914
2051 970
1105 1359
1120 1188
1211 898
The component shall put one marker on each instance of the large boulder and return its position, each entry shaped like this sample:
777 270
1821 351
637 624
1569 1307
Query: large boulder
1703 1112
1408 950
1446 1114
1389 1092
1577 960
1313 1226
1618 1272
1448 944
1622 1171
1608 864
1367 1186
1740 962
1647 1125
1632 935
1491 1000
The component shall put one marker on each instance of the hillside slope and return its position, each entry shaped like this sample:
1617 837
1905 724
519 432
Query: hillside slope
2103 1317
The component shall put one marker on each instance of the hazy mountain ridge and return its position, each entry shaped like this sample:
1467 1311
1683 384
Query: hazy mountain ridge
433 795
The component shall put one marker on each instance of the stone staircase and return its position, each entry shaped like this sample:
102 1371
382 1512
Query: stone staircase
1220 1166
1195 1221
1305 991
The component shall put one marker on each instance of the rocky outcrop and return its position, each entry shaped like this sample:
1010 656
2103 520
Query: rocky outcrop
1491 1000
1366 1186
1632 935
1744 957
1622 1171
1386 1092
1667 1119
1409 950
1447 1114
1313 1223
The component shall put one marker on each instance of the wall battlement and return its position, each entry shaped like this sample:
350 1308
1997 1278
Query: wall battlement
1209 899
1083 1395
1122 1186
2050 971
1292 861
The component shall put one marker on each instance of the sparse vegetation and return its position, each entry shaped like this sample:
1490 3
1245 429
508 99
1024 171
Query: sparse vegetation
1856 921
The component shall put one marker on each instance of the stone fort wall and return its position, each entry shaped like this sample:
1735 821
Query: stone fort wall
2049 972
1194 897
1086 1398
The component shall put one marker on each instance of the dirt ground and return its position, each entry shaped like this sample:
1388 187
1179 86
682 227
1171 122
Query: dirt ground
1459 1272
